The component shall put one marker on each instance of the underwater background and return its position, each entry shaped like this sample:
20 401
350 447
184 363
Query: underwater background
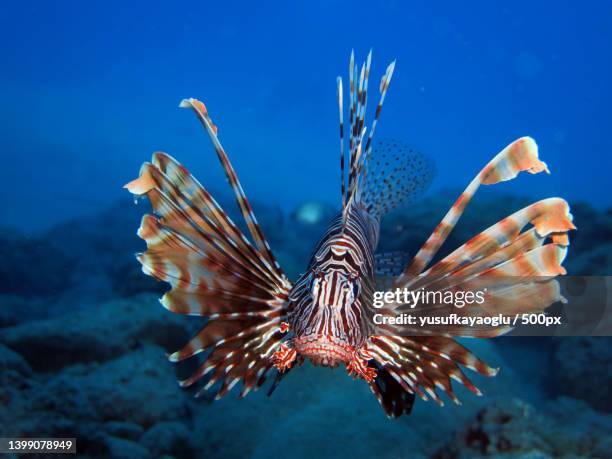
89 90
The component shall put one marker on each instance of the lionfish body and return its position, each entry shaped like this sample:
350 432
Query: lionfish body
259 322
327 302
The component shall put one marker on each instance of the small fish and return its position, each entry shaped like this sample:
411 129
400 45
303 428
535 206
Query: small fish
259 322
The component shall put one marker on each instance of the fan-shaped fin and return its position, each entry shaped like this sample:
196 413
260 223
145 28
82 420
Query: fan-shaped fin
215 272
520 155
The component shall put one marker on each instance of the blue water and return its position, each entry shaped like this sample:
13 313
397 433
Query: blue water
90 89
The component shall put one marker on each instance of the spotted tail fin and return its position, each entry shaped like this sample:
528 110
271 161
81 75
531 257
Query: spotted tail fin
396 175
214 271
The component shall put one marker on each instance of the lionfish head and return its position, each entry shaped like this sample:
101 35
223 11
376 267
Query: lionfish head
329 332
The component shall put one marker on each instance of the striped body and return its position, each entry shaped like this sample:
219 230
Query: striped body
327 302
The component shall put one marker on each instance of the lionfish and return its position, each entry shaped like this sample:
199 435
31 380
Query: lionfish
259 321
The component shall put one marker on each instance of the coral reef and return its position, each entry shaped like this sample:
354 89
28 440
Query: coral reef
102 377
511 428
579 364
83 342
119 327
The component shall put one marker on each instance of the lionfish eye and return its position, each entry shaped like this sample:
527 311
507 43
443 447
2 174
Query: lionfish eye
356 289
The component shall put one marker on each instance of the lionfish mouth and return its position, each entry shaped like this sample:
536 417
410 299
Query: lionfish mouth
327 351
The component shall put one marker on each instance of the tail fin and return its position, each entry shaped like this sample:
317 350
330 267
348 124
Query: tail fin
396 175
213 269
394 397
